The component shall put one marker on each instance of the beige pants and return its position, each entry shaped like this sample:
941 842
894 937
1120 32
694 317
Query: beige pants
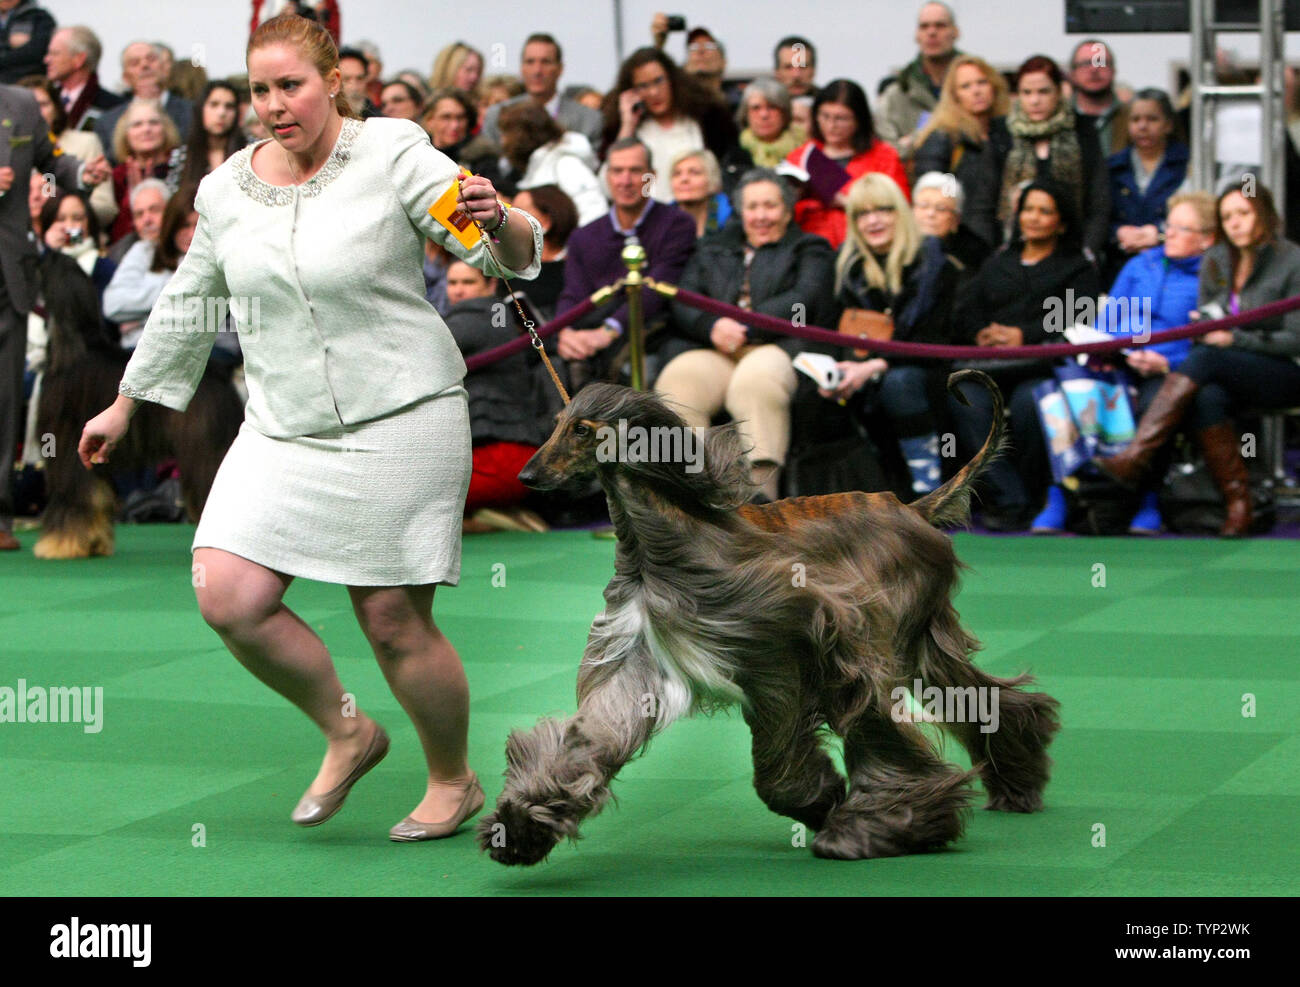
755 385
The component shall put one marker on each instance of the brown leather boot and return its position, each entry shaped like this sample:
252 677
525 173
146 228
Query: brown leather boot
1157 425
1223 457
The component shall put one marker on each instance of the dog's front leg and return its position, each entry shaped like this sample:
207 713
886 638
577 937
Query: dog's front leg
559 773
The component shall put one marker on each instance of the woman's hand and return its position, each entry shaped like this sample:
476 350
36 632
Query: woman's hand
1148 363
1220 337
628 114
854 375
478 199
55 237
996 334
136 172
103 432
728 335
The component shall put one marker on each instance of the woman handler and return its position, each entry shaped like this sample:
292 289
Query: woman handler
354 458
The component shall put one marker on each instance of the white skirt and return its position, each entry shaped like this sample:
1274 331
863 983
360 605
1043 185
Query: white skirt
374 504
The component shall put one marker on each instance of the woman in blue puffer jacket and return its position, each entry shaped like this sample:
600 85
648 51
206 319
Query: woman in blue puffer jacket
1156 290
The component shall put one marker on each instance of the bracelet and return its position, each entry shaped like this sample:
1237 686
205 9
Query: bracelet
505 215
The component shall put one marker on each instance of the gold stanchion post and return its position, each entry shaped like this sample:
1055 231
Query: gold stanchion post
634 259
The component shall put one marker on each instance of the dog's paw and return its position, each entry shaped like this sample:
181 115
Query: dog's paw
512 836
1015 802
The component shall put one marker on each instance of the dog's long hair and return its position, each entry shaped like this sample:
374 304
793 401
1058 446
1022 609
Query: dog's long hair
809 613
83 368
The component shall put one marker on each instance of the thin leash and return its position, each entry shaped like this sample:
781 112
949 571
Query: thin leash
488 239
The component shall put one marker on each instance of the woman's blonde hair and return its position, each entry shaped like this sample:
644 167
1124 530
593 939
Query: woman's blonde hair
874 190
712 171
1202 202
949 116
171 136
309 39
448 62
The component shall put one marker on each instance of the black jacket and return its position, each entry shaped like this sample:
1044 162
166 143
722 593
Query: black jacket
1096 186
923 310
979 171
504 401
33 26
792 278
1014 294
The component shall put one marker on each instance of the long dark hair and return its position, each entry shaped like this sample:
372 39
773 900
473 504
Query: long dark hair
50 212
1268 224
1071 239
165 256
196 147
689 97
846 92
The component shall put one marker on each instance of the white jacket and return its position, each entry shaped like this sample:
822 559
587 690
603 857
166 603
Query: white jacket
326 284
568 163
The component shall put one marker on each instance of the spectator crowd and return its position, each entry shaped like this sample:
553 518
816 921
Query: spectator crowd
955 202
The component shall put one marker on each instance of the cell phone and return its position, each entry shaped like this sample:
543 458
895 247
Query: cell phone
639 106
676 22
1212 310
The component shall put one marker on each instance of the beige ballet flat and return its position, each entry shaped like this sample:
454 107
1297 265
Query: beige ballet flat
411 830
313 810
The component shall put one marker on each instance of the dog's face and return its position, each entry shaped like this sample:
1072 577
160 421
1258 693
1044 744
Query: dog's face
568 460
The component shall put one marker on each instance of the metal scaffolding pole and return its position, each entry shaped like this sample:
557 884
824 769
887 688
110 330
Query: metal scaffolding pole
1207 94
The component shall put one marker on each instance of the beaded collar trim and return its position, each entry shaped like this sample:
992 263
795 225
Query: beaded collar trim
282 195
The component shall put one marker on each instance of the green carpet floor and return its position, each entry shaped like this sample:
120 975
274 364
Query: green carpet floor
1151 670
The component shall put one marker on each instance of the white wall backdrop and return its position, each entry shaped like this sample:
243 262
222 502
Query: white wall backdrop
858 39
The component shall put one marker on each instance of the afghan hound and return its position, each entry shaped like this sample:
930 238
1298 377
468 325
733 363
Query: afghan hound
83 368
809 613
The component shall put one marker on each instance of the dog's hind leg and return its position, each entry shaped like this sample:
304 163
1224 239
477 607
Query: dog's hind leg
559 773
201 437
902 797
1009 747
793 774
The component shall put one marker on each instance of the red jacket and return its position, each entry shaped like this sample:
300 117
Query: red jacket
830 222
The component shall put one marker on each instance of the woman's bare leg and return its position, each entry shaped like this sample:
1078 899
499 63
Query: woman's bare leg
243 602
425 673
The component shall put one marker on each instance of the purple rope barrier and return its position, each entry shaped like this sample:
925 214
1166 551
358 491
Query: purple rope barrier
937 352
523 342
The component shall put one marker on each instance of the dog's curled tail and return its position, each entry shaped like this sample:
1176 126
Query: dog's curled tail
950 504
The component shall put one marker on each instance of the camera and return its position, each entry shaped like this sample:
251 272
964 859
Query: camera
1212 310
75 235
676 22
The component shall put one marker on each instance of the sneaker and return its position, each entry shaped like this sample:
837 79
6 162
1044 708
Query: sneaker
1051 519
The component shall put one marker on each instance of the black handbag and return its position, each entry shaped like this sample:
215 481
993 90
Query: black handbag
1192 505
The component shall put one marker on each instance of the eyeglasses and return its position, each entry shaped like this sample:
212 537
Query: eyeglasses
932 207
833 118
877 211
645 87
702 46
1175 228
